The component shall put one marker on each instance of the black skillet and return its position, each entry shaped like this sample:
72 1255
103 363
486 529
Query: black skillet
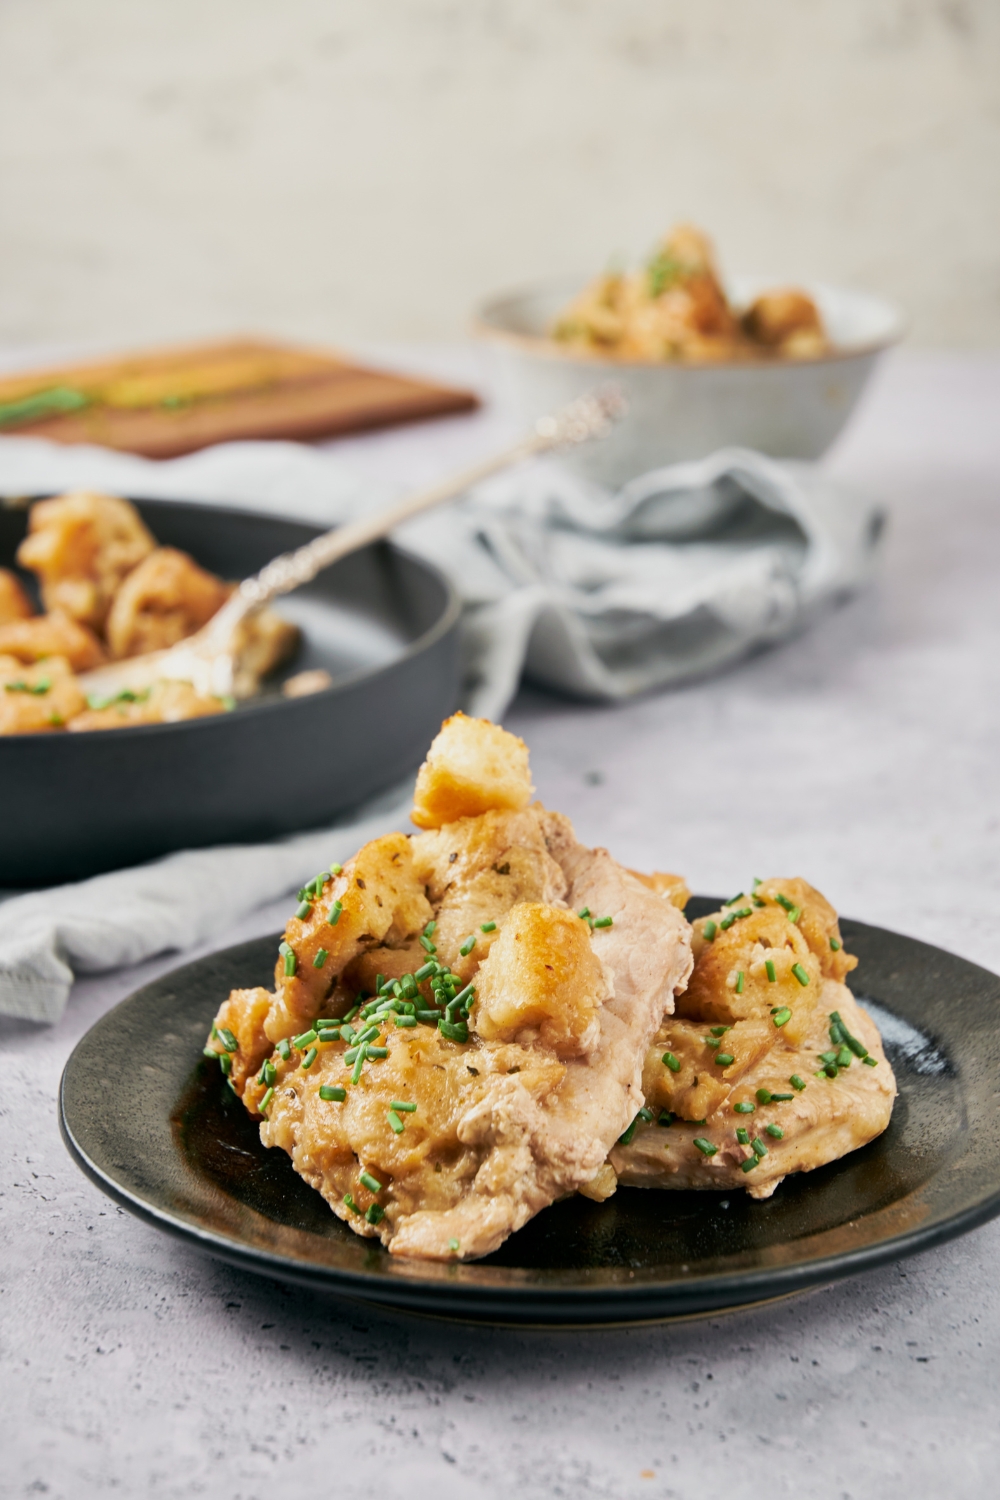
383 623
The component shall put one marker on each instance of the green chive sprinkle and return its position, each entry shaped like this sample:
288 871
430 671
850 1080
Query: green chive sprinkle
376 1051
349 1200
290 959
455 1031
468 945
758 1145
336 869
453 1246
349 1016
763 1096
428 1017
585 913
743 1136
796 1083
782 1017
371 1183
395 1122
348 1033
309 1058
844 1057
626 1136
333 915
781 1098
739 982
270 1073
744 1107
375 1214
402 1105
836 944
228 1040
321 958
303 910
665 1117
800 974
705 1147
359 1064
733 899
775 1131
785 901
463 995
719 1030
831 1070
431 928
209 1052
604 922
724 1059
426 943
672 1062
405 1021
284 1049
332 1093
487 927
769 967
265 1100
646 1114
869 1061
709 930
756 882
305 1039
749 1164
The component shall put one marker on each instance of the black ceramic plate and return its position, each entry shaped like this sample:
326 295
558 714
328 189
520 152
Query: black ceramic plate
153 1125
382 623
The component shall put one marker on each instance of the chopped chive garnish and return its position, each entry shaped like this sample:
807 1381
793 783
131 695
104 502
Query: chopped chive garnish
756 882
284 1049
468 945
743 1136
375 1214
733 899
309 1058
739 982
858 1048
585 913
463 995
724 1059
349 1200
209 1052
403 1106
333 915
719 1030
369 1033
672 1062
796 1083
709 930
604 922
426 943
359 1063
428 1017
376 1051
869 1061
835 944
626 1136
705 1147
430 929
828 1057
265 1100
453 1246
228 1040
781 1098
348 1033
349 1015
336 869
290 960
321 958
758 1145
785 901
749 1164
303 910
395 1123
844 1057
665 1117
645 1114
763 1096
782 1017
775 1131
800 974
487 927
332 1093
270 1072
305 1039
769 967
455 1031
831 1070
744 1107
371 1183
405 1021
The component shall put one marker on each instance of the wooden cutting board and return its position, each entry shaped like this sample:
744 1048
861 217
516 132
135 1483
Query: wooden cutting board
165 402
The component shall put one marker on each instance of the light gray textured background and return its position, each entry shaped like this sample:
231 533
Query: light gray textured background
862 755
343 169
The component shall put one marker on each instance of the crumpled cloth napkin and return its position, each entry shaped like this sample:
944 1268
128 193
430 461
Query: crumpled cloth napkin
600 595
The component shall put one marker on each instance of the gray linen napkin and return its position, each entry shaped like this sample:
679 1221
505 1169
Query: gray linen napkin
603 596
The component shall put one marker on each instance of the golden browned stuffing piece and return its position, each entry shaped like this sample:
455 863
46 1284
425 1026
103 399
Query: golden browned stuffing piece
768 1065
37 699
14 602
676 308
456 1033
82 546
166 598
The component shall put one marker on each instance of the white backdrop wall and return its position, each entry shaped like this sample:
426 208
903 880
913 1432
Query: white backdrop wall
352 169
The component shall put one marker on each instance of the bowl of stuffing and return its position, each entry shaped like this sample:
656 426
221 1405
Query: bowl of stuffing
704 363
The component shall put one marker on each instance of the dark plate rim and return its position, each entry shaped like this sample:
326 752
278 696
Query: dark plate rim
452 1296
445 622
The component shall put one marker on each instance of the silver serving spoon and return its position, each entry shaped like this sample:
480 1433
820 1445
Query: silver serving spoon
208 659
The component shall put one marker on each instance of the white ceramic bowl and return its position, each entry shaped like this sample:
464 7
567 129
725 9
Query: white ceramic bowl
787 408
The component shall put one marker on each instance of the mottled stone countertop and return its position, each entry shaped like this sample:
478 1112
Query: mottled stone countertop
863 755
